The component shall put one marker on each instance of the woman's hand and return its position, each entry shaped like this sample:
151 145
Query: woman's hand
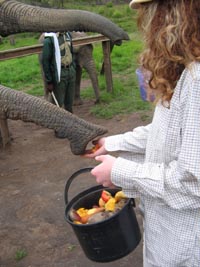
102 172
99 149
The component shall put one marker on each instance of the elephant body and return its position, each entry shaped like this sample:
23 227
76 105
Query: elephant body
84 60
83 55
16 17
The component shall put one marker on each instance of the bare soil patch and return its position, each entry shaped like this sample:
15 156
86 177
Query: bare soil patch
33 174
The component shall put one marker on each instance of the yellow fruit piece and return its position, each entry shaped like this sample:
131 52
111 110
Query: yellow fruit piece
119 195
101 202
110 205
82 212
94 210
77 222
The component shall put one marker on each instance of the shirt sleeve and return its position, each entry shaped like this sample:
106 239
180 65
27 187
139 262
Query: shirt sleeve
133 141
178 183
47 54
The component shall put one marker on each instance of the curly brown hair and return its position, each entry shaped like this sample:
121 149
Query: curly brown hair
171 30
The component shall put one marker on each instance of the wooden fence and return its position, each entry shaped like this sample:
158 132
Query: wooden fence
36 49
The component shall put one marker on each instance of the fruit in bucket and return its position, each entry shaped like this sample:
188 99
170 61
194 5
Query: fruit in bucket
108 206
74 216
119 195
105 195
82 215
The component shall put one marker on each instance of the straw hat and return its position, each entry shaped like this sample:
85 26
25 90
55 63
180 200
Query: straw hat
134 3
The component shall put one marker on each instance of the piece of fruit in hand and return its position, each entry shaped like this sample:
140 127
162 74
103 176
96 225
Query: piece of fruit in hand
95 148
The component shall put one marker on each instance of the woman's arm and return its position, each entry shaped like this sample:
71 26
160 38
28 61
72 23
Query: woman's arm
177 183
134 142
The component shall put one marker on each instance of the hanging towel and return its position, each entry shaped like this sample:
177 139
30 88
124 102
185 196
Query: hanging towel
57 51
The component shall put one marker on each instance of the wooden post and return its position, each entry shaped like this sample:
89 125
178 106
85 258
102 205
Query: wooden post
107 65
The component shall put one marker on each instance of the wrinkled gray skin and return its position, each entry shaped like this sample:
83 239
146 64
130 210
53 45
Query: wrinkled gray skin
83 59
16 17
17 105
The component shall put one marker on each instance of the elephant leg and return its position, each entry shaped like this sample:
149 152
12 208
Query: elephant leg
91 69
84 59
102 71
4 132
86 55
77 95
96 89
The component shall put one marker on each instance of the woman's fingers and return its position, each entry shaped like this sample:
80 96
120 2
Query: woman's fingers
102 172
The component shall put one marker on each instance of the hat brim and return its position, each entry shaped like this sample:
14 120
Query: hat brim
134 3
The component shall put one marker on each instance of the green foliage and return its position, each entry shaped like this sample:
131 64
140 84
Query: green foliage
109 4
21 40
117 14
20 254
24 73
101 10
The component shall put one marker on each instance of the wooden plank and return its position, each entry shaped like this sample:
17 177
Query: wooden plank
20 52
89 40
36 49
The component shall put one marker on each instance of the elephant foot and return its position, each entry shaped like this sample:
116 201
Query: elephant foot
78 102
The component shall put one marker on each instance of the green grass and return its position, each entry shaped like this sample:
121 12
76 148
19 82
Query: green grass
20 254
24 73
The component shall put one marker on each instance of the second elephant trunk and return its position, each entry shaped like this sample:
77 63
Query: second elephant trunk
16 17
20 106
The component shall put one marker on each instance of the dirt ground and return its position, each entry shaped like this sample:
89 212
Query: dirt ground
33 174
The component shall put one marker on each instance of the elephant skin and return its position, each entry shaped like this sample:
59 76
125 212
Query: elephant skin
17 105
84 59
16 17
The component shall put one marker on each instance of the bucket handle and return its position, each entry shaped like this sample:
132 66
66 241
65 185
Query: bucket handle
74 175
70 180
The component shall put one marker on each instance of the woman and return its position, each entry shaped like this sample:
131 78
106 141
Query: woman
160 163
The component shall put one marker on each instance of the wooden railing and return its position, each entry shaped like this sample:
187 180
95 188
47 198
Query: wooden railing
36 49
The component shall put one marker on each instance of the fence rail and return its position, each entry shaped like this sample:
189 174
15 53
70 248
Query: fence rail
36 49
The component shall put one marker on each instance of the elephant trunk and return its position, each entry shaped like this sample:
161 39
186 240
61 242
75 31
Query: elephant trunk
17 17
20 106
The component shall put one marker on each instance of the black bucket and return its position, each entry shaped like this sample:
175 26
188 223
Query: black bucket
110 239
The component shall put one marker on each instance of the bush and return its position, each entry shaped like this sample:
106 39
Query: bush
117 14
109 4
